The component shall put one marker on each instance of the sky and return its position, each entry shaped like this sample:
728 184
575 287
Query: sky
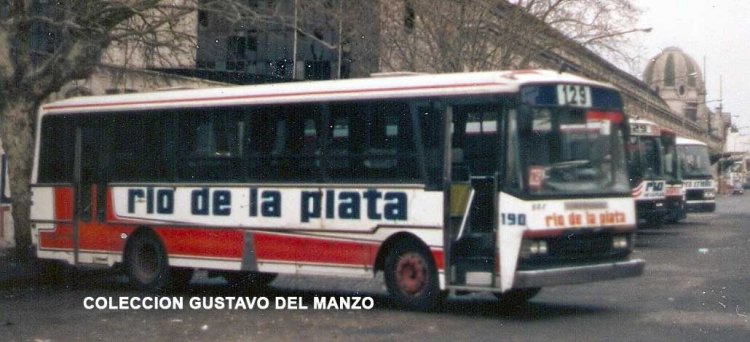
718 30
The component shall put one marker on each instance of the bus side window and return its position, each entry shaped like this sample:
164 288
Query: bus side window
431 128
209 148
513 174
57 150
339 148
476 129
266 139
139 148
283 144
390 152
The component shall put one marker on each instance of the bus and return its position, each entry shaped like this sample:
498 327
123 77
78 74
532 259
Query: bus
646 168
674 190
502 182
700 188
736 176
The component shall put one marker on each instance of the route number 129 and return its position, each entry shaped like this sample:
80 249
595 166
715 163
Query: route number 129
573 95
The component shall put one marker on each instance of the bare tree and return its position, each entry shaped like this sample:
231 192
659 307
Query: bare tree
604 26
82 34
445 35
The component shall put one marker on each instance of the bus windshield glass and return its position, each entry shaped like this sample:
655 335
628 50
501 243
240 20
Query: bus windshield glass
695 161
572 151
671 163
645 158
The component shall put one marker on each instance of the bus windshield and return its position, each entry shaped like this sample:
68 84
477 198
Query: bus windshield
695 161
645 158
671 163
572 151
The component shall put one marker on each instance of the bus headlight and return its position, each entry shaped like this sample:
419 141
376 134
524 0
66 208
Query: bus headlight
709 193
620 242
531 248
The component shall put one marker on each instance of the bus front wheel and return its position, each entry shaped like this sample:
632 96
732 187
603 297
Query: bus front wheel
411 277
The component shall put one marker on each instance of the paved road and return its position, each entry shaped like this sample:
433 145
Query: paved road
696 288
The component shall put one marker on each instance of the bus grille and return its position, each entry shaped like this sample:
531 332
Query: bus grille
576 248
694 195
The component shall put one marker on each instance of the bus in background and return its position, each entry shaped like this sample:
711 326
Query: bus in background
737 176
700 188
504 182
674 190
646 166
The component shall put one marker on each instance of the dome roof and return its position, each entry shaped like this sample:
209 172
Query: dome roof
675 70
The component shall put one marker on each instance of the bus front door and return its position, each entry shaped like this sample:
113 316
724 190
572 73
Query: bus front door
473 251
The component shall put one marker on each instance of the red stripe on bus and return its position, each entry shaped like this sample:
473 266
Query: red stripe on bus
614 117
215 243
266 96
321 250
63 203
306 249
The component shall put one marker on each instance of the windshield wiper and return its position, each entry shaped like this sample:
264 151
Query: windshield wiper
568 164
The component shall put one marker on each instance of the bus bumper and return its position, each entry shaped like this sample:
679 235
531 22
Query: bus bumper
650 210
701 206
578 274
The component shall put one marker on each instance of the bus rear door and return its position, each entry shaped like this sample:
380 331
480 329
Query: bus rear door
89 188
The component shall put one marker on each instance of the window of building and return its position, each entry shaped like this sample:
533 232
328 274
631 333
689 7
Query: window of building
236 53
252 40
203 18
691 111
409 17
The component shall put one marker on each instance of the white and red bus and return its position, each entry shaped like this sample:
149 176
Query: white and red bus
674 191
699 182
504 182
647 177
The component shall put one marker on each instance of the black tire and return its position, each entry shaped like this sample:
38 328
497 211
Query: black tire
146 262
516 297
249 280
411 277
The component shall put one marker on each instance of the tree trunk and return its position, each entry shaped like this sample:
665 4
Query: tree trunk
17 129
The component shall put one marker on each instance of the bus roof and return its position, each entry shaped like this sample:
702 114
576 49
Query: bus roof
642 121
688 141
642 127
476 83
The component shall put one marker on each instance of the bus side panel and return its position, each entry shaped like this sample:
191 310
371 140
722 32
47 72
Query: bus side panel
61 200
314 250
203 243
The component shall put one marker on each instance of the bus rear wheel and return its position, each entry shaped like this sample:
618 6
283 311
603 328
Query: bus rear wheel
147 264
411 277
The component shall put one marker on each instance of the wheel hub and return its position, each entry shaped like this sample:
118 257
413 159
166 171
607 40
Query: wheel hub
411 274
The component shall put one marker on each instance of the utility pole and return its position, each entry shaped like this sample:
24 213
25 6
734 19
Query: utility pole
341 30
294 43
